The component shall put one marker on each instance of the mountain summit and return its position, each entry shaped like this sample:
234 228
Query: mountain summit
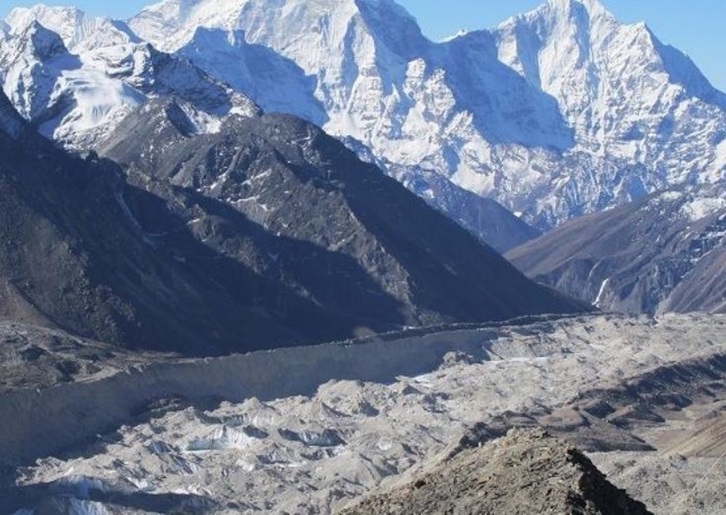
76 77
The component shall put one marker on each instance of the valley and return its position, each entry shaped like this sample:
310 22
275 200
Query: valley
294 257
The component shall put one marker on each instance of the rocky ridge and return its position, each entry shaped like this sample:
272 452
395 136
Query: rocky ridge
141 258
525 472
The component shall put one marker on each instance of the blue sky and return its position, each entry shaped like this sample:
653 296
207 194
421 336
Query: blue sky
695 27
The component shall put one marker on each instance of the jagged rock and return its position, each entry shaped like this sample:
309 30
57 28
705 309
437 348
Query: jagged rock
525 472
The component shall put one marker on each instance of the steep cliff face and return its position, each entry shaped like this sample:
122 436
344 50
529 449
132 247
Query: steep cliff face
559 112
628 97
72 256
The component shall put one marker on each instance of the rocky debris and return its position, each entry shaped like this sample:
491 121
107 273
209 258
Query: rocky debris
526 472
708 440
37 358
687 473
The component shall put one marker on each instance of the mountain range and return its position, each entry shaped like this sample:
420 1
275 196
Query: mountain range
557 113
274 255
512 132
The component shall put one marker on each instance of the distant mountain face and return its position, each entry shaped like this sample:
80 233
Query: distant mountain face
557 113
265 233
666 253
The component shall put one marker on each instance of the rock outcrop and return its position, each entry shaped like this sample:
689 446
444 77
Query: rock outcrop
525 472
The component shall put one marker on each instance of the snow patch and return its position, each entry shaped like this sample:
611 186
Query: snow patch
700 208
601 293
222 439
203 123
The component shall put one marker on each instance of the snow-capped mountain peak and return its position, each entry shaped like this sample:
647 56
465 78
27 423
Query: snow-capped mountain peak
77 76
79 31
558 112
594 8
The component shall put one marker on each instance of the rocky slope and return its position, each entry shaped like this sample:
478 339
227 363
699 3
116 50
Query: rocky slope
389 256
665 253
72 255
526 472
245 239
557 113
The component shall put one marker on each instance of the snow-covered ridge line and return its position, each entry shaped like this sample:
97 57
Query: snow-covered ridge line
559 112
76 77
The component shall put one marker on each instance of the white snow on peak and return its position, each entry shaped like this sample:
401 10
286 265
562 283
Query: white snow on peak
459 34
78 30
525 114
699 208
593 7
78 76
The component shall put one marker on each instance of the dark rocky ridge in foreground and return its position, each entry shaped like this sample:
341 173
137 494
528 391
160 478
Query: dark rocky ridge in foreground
279 197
